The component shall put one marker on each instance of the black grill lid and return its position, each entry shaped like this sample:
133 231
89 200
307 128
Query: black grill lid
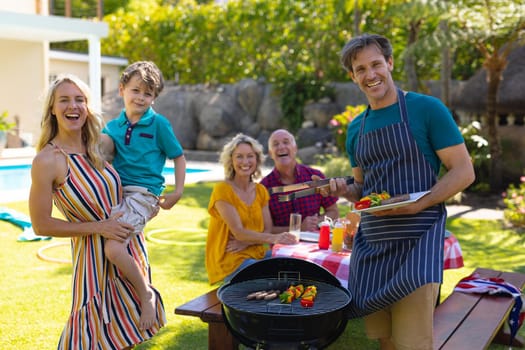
269 268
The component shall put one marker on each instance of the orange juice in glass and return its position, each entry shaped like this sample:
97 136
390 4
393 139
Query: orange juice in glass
351 223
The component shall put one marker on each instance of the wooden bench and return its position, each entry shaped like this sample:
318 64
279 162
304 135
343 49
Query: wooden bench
461 321
208 308
474 321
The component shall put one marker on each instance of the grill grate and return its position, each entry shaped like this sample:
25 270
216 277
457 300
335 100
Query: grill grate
329 298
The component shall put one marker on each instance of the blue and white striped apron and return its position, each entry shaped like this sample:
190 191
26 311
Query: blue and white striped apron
394 255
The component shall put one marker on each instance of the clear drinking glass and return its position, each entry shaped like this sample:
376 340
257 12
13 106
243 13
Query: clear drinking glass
295 224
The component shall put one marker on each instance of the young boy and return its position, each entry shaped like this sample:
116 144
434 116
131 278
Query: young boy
140 140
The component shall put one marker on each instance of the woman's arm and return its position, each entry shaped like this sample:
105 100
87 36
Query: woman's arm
230 215
48 169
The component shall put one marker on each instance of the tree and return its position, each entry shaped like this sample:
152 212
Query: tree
494 28
446 66
412 18
84 8
410 25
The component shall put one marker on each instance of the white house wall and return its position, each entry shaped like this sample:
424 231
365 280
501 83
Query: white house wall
109 74
20 6
23 72
25 34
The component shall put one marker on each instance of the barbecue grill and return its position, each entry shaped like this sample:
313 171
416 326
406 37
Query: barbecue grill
270 324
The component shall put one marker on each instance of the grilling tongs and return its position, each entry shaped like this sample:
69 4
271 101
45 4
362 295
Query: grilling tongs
304 189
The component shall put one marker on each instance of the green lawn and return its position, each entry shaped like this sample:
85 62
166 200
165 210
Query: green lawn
35 294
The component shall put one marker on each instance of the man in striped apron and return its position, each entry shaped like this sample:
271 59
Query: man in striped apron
398 145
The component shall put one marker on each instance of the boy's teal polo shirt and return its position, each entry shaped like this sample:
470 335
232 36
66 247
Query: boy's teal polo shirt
141 149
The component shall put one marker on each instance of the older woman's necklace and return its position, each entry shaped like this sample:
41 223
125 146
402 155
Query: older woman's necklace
247 195
70 149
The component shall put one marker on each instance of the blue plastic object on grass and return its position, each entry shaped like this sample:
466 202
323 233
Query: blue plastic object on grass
22 221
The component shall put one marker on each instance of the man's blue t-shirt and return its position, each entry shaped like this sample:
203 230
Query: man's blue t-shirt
430 122
141 149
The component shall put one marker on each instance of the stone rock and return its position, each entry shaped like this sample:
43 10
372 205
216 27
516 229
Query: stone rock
204 116
206 142
308 155
321 113
221 113
112 104
314 136
215 121
348 94
270 114
250 95
263 138
177 105
252 129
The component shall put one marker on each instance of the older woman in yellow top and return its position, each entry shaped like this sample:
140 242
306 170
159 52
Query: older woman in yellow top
240 223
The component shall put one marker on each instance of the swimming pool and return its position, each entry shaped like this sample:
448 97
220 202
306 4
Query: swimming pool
18 177
13 177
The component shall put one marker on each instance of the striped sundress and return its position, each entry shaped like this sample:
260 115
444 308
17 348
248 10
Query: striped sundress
105 308
394 255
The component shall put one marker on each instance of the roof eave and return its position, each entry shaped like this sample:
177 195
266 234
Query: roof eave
37 28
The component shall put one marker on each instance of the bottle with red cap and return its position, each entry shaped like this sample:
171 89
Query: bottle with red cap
324 235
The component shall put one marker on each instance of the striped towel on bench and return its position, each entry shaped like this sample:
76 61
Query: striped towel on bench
496 286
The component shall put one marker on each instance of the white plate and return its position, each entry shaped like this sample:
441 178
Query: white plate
307 236
414 197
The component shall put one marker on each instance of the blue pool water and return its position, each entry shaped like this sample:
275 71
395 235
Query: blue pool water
18 177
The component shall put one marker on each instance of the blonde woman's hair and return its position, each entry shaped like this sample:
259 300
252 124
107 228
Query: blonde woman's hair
90 130
227 152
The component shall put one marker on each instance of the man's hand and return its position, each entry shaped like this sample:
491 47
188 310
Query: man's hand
310 223
325 190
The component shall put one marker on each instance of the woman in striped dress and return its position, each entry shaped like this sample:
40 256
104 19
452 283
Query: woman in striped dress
70 172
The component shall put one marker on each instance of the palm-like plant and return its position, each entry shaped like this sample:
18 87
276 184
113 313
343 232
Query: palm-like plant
4 124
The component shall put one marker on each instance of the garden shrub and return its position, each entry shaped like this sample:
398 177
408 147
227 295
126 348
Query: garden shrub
514 199
334 166
339 124
295 93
